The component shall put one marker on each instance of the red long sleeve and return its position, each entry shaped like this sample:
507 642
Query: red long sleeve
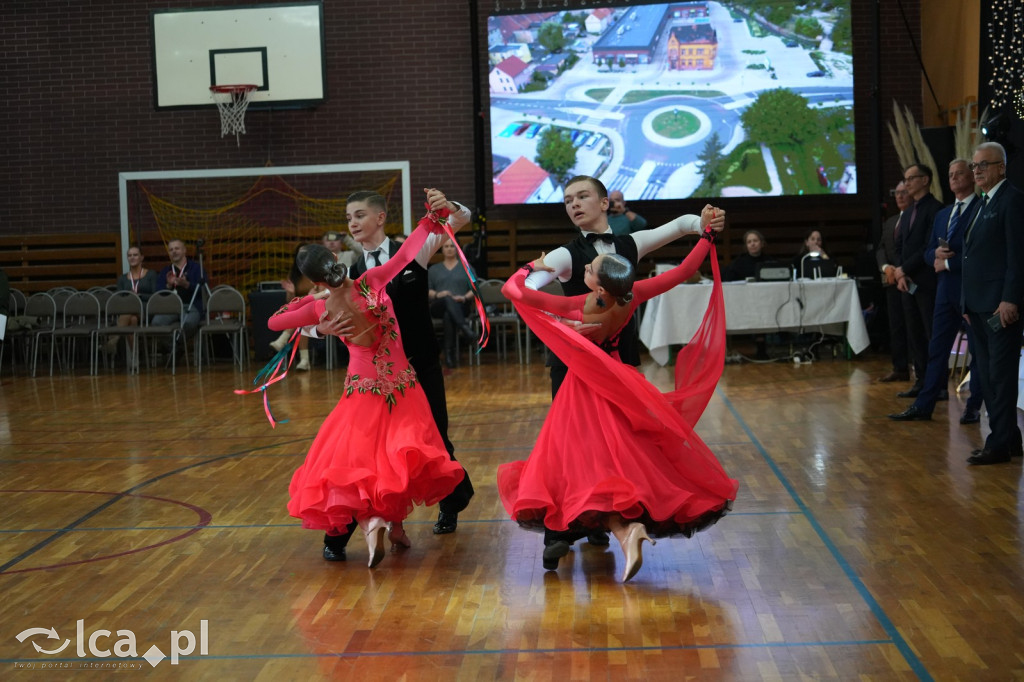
299 312
515 289
647 289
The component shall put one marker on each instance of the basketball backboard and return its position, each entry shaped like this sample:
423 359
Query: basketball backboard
278 47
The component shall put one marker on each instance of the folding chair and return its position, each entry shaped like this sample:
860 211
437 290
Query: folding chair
81 320
123 303
165 302
225 314
504 317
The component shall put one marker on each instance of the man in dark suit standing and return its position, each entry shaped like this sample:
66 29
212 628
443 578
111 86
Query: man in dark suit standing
886 256
993 293
944 254
915 278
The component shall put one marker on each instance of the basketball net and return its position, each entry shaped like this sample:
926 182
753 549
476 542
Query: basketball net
232 101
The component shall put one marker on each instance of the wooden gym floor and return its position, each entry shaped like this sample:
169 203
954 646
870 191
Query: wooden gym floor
858 548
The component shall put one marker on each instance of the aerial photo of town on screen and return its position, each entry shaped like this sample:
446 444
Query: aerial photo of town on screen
673 100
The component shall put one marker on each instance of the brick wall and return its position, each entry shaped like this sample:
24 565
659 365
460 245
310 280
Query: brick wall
79 110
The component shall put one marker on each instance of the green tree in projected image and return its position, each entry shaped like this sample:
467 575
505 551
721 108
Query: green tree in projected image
552 37
781 117
555 153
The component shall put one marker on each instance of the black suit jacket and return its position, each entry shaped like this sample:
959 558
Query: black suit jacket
913 240
410 296
994 248
886 254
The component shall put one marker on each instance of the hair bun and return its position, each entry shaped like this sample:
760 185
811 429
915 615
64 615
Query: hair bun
334 274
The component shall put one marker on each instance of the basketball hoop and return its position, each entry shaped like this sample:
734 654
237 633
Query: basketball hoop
232 101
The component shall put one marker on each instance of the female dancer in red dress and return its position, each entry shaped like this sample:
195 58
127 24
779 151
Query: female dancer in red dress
379 451
614 452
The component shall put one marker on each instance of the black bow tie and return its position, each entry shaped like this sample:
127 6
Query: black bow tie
606 237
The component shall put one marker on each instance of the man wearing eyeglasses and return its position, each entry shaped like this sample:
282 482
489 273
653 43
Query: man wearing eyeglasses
944 254
886 257
915 278
993 294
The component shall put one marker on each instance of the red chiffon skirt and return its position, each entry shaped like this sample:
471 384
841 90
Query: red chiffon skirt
590 461
368 461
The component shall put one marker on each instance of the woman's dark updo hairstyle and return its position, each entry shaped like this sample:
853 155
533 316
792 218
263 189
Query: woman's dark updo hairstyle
316 262
617 275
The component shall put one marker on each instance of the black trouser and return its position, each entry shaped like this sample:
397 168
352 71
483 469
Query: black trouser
431 379
998 356
897 329
918 309
454 315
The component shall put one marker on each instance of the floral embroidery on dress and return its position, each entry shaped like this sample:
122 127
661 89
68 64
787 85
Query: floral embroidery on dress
386 383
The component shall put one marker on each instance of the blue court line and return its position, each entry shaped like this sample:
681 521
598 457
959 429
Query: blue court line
475 652
876 609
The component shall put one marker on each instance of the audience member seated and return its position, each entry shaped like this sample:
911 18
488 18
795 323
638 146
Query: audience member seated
139 279
183 277
813 265
622 220
745 265
451 297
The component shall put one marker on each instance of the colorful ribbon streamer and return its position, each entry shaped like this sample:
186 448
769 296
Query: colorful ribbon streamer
269 375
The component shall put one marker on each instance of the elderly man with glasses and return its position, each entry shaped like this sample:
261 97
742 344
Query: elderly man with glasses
886 256
914 278
993 294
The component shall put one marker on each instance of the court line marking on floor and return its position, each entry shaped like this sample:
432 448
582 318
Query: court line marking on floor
876 609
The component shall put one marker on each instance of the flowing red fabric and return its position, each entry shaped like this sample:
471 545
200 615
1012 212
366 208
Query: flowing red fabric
612 442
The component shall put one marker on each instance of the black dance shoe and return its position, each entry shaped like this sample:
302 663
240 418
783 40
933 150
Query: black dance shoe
909 393
446 523
553 552
598 538
334 554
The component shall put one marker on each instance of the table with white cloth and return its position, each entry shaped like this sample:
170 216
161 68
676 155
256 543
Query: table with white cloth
828 305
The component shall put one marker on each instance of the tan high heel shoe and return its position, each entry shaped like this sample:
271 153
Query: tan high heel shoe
398 537
374 531
633 550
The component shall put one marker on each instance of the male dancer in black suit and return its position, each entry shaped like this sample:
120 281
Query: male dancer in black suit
586 202
946 260
993 293
366 213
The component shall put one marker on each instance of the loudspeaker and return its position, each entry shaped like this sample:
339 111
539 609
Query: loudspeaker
263 304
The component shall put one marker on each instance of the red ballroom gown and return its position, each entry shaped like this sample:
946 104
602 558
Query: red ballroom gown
378 452
612 442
